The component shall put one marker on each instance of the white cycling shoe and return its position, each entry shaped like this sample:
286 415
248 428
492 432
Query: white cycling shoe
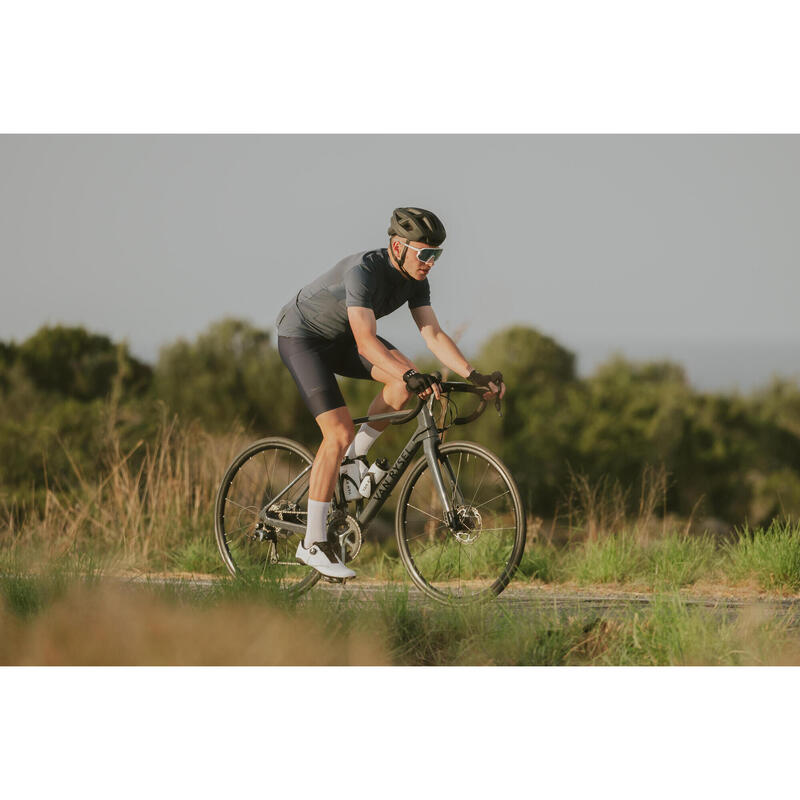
322 557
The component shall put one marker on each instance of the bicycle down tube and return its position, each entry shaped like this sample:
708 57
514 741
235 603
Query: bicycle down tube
425 436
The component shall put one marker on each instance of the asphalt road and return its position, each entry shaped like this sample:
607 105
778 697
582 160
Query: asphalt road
525 599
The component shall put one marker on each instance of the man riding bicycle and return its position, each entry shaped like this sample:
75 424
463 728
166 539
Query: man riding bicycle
329 328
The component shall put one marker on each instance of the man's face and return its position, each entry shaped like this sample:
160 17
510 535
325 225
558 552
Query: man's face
412 265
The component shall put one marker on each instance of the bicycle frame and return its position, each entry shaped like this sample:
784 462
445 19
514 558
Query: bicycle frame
426 436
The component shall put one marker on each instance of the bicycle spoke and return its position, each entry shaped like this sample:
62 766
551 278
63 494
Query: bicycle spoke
438 560
252 480
228 534
244 508
458 472
479 558
486 469
459 570
492 530
270 470
430 547
502 494
422 511
420 535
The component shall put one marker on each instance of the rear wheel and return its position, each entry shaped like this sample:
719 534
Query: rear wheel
475 558
271 476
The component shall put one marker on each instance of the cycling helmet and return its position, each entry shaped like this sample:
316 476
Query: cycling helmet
417 225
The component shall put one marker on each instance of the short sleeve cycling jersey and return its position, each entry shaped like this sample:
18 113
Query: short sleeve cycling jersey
365 280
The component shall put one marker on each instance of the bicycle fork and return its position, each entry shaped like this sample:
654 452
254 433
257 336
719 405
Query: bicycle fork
430 447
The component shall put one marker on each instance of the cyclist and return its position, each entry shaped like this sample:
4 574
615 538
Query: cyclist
329 328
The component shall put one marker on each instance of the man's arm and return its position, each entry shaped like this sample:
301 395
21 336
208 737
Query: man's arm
445 349
438 342
364 326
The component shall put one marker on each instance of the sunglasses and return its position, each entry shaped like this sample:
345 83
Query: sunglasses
426 254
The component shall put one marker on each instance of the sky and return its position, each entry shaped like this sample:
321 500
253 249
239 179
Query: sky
651 246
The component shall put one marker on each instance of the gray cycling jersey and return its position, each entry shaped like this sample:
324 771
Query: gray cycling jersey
366 279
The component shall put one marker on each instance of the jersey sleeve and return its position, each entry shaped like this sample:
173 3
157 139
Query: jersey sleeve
359 285
421 296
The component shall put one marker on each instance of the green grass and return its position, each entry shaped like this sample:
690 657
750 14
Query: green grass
614 559
199 555
771 556
539 562
63 612
669 562
380 561
678 560
25 593
671 632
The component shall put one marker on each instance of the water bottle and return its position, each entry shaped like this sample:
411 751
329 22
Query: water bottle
375 474
353 472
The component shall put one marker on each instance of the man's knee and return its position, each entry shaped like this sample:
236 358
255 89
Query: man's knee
340 435
398 391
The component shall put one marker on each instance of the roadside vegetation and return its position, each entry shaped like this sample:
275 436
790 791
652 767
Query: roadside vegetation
633 483
232 623
73 402
152 512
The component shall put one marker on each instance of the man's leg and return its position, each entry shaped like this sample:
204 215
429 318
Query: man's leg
337 433
308 361
315 551
392 397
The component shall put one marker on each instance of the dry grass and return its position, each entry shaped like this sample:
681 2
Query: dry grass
152 499
153 511
598 508
117 626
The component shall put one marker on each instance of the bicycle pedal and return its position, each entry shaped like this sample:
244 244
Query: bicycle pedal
334 580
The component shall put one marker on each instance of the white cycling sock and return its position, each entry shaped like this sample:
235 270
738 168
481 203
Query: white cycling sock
317 524
362 441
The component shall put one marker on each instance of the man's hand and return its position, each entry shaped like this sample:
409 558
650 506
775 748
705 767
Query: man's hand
493 382
421 384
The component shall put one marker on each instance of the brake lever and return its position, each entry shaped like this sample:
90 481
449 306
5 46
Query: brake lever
497 405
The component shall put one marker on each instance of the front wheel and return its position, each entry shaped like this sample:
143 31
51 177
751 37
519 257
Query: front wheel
476 557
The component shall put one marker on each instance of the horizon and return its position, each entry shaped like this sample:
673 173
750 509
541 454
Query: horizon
710 366
659 246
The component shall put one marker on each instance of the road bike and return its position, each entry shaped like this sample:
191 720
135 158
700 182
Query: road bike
459 522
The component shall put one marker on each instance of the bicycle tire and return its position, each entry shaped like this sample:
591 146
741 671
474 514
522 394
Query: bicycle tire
488 567
236 521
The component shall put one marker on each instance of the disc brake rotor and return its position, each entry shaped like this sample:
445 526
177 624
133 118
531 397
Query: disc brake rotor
471 524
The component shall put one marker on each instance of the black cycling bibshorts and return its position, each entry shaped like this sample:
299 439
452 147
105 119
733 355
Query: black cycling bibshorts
314 364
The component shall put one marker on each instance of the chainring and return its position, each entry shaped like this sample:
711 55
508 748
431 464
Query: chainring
344 533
